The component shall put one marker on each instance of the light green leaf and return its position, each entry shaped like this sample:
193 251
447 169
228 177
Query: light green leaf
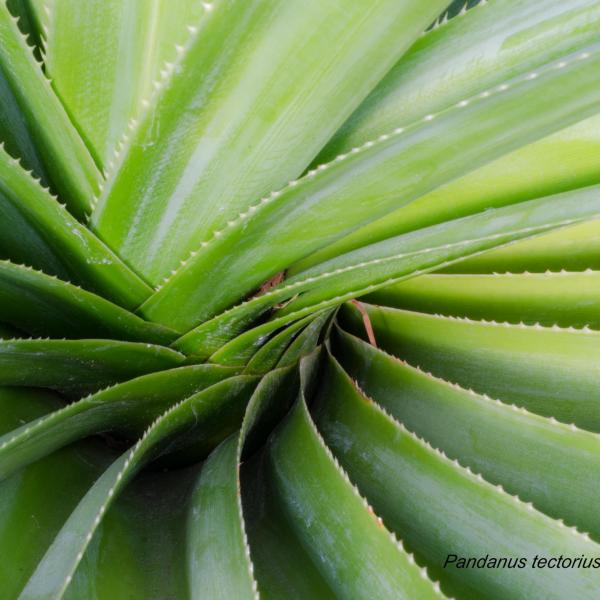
575 248
350 547
561 298
229 125
44 305
329 203
547 463
37 230
549 371
564 161
103 57
43 134
77 366
380 265
440 508
468 55
127 409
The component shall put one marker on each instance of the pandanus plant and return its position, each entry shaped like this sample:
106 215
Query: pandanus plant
299 299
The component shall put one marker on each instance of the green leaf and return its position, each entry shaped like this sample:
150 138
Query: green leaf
44 305
380 265
351 548
332 201
212 536
562 298
43 134
561 162
547 463
282 566
103 57
210 415
77 366
440 508
20 405
227 126
549 371
218 561
267 357
269 404
575 248
35 502
139 534
36 230
29 22
127 409
468 55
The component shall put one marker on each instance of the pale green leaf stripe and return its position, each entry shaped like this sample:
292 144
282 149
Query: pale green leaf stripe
355 553
548 370
79 366
103 57
211 414
575 248
41 304
440 508
126 408
226 127
382 264
550 464
372 182
51 138
37 230
560 298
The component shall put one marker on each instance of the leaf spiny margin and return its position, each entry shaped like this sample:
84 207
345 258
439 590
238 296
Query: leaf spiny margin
155 307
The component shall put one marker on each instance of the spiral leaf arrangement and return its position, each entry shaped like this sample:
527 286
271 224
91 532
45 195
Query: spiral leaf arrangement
299 299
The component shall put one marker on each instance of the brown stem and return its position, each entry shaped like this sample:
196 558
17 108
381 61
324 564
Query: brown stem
366 321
